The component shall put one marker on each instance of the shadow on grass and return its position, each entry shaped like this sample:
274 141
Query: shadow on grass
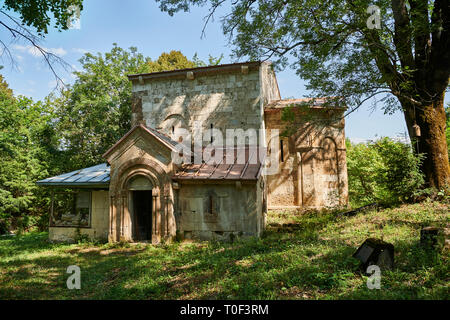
281 265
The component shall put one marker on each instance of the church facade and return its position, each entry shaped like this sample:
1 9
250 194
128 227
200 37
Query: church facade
208 153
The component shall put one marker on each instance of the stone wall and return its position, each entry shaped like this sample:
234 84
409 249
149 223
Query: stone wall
225 100
313 171
234 211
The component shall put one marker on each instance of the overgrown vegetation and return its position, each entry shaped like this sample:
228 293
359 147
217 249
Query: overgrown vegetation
383 171
25 127
313 262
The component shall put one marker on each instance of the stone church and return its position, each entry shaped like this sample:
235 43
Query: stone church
210 150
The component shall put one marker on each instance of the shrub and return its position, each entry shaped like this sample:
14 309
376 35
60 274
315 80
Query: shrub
384 171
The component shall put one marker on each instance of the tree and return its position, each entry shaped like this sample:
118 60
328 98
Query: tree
173 60
338 48
95 111
23 158
447 131
33 24
212 61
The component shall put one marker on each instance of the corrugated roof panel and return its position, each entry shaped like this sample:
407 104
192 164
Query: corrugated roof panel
248 170
95 175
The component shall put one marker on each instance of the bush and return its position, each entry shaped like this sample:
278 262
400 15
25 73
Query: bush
384 171
4 223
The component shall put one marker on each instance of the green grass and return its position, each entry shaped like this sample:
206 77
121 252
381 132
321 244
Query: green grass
313 262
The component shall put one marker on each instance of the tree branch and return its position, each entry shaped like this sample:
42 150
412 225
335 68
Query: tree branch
20 32
402 35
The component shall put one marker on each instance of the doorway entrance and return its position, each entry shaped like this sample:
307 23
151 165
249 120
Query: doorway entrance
142 215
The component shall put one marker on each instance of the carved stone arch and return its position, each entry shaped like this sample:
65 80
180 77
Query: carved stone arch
121 209
150 167
174 120
139 170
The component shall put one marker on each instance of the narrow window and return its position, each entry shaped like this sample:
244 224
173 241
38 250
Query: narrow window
173 129
281 151
211 133
211 204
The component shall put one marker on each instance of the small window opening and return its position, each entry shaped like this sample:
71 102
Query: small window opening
281 151
212 133
211 204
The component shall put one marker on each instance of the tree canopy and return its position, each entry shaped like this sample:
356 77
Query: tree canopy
35 13
25 130
35 18
336 46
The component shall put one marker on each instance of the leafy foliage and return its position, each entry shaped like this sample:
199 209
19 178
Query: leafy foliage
212 61
23 156
404 62
35 13
96 111
173 60
383 171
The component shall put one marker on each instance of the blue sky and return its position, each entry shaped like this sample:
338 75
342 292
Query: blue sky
141 24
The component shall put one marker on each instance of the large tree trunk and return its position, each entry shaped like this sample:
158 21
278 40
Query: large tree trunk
432 141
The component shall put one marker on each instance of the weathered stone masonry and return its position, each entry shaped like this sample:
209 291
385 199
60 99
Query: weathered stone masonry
152 198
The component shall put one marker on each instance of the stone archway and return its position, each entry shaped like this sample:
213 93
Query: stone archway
122 218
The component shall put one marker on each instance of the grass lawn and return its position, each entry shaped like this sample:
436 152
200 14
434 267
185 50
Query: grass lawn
313 262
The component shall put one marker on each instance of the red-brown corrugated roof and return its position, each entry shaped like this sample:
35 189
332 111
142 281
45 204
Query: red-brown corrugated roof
248 169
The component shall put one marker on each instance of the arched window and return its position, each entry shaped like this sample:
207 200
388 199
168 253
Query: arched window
140 183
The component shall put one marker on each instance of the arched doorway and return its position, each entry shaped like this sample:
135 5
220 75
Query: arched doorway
141 208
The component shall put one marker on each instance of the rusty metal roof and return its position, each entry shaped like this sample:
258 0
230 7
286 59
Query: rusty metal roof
93 176
248 169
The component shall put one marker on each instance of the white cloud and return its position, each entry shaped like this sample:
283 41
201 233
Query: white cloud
80 50
37 53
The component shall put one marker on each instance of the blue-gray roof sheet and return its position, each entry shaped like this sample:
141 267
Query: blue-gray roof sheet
93 176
